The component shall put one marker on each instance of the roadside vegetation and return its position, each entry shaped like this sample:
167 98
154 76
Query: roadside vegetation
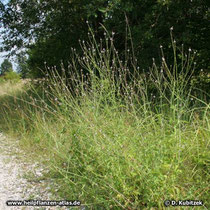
7 74
112 137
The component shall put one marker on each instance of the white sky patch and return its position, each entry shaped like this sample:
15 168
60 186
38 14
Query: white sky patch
2 54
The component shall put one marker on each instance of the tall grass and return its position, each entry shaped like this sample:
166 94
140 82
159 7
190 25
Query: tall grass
113 137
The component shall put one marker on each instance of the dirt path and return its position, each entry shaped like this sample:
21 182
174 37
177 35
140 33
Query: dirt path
21 179
13 185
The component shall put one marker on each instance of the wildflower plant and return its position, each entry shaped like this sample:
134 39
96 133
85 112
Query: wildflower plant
115 136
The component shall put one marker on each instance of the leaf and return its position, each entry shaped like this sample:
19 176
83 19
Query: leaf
103 10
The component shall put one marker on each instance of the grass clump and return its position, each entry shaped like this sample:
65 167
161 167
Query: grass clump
113 137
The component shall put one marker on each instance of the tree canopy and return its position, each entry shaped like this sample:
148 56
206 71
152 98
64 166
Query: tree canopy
6 67
22 67
49 29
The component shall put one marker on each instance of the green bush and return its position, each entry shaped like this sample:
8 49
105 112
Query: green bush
11 76
2 80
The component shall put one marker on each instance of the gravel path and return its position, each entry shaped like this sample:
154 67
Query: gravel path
21 179
13 185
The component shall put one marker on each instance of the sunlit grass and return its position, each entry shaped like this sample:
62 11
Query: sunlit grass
9 88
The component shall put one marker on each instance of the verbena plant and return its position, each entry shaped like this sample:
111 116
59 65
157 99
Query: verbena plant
115 137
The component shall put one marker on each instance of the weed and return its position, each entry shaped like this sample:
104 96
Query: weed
115 137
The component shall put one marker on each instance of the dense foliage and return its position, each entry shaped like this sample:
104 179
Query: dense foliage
22 67
49 29
12 76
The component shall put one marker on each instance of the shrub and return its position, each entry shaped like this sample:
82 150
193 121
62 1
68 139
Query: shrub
2 80
12 76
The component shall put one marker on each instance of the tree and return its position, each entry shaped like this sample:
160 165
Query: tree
47 28
6 67
50 28
22 67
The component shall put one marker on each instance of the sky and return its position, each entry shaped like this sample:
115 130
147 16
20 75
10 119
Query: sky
1 54
4 53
